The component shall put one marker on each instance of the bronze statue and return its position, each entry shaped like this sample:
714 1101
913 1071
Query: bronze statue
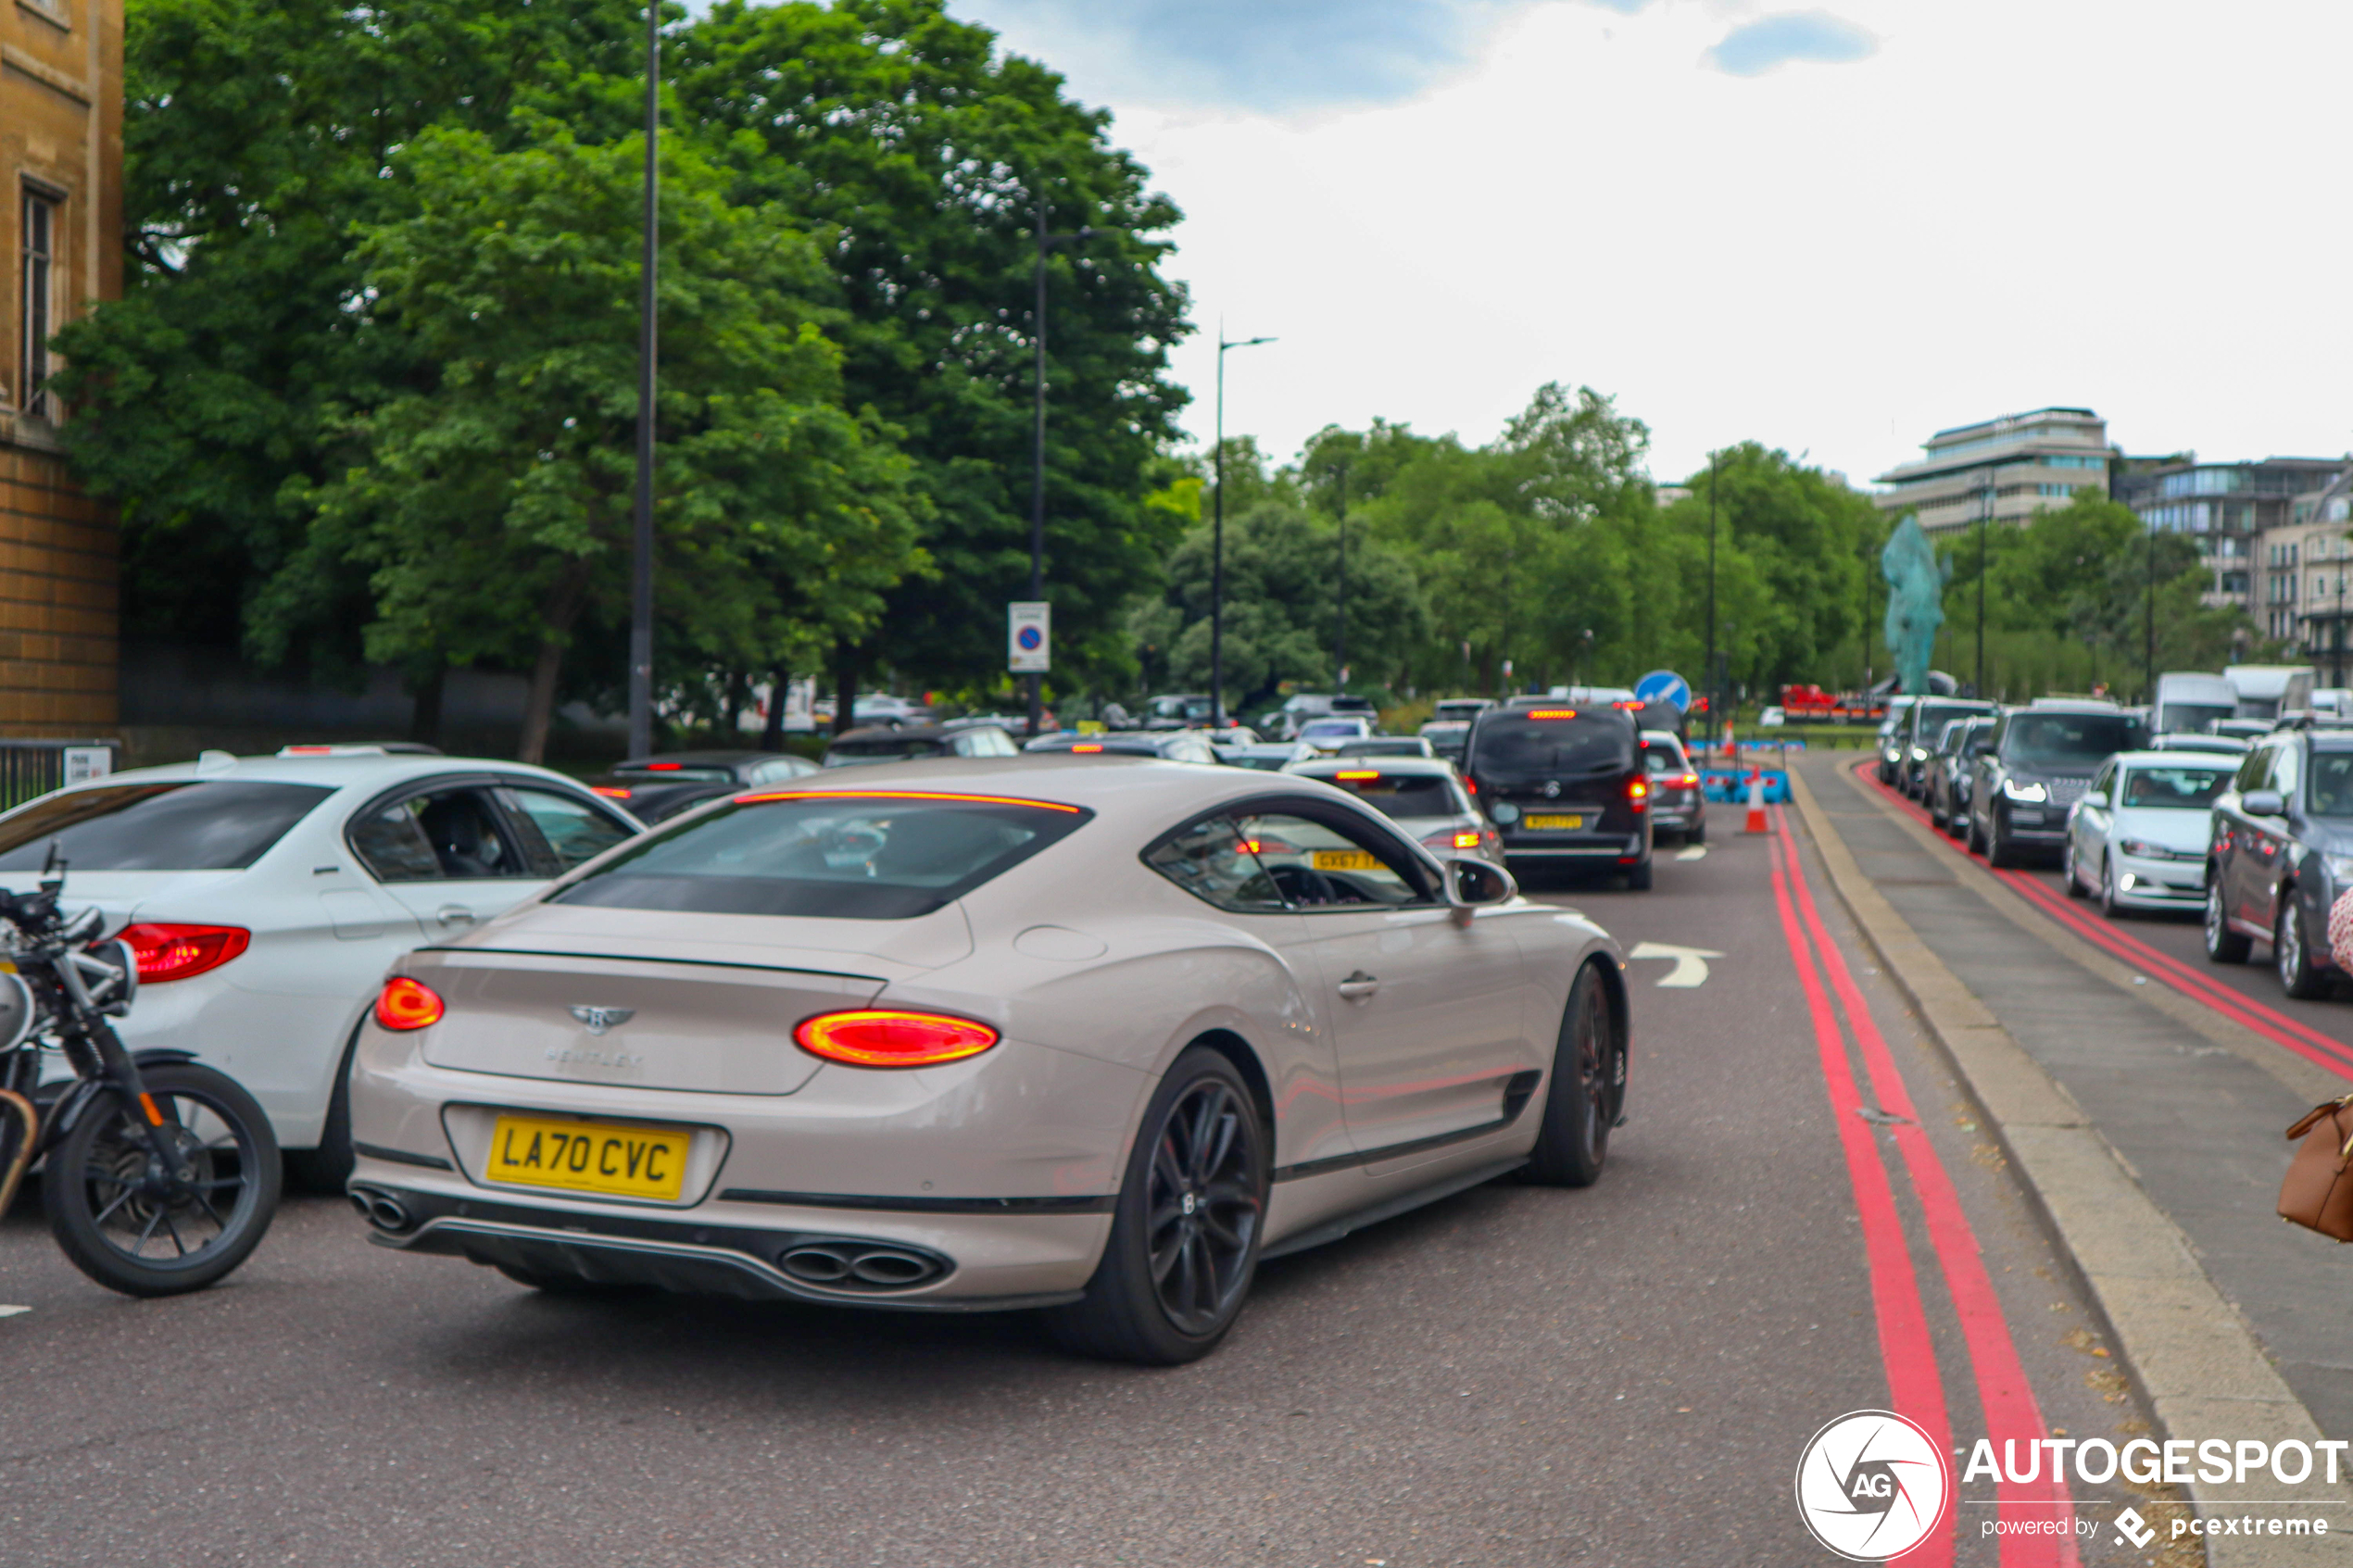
1915 601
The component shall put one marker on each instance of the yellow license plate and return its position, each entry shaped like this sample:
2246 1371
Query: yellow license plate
611 1158
1345 860
1554 823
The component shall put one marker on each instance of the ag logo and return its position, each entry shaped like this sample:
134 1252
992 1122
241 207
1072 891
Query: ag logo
1871 1485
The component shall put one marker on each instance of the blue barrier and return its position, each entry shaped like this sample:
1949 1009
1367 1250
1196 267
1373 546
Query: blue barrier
1728 785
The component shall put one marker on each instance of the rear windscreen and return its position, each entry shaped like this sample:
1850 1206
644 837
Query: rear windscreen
183 825
1933 716
1421 796
1583 745
846 856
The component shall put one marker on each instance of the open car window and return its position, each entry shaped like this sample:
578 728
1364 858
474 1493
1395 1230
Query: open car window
438 835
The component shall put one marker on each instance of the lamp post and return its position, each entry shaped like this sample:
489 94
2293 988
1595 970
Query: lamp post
641 587
1985 517
1340 633
2148 646
1217 541
1045 241
1709 673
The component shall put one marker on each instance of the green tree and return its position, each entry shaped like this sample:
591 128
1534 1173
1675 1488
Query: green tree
927 154
494 507
213 398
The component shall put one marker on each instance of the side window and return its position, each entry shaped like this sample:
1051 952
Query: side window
1315 865
445 835
2286 770
1210 861
2254 770
558 831
2105 783
777 771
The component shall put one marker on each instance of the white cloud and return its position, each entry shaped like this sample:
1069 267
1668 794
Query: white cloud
2011 203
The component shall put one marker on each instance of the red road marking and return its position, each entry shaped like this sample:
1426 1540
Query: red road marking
1914 1388
2011 1414
2240 1009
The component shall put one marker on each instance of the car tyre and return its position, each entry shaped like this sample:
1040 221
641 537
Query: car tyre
2066 868
1698 833
1973 840
2299 977
1997 848
2222 944
1186 1228
1587 1092
2109 906
1639 878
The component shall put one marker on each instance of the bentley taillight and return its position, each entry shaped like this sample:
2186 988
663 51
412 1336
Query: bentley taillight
885 1038
406 1003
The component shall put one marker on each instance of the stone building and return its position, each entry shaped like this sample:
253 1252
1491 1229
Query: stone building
60 251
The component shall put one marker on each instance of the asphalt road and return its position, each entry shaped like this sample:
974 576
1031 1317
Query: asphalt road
1624 1375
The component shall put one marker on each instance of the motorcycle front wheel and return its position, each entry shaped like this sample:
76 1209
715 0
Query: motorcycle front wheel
133 1223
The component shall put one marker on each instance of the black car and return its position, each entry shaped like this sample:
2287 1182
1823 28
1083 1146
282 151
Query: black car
1566 785
2036 763
1946 789
656 788
2281 851
904 743
1918 735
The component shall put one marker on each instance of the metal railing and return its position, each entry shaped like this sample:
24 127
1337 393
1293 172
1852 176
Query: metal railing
30 768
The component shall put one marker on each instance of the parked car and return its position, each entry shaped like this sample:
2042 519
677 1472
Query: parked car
2279 850
1172 745
1678 805
656 788
1922 726
880 708
1161 1016
1947 788
2035 764
1566 786
1423 794
884 743
1176 710
264 897
2138 837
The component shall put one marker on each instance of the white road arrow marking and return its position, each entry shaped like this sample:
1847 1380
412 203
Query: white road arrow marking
12 1312
1695 852
1691 963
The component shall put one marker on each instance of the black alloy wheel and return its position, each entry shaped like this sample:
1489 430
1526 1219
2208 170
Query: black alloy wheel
1186 1232
2109 906
2299 977
2222 944
1997 847
1587 1095
134 1225
2066 868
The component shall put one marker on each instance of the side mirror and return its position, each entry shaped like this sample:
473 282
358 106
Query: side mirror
2095 800
1472 883
2264 803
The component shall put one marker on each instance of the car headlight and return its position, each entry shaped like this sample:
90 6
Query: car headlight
2148 851
2031 793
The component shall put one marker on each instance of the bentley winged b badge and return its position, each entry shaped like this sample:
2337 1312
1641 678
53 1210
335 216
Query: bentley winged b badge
598 1020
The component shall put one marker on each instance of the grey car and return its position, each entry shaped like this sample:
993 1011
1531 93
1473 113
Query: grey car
1423 794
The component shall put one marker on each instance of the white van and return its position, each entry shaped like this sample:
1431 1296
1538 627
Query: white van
2189 700
2266 691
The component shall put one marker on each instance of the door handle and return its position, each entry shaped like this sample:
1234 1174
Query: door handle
1358 986
453 914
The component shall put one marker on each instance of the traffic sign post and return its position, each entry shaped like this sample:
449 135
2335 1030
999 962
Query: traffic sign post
1029 637
1665 685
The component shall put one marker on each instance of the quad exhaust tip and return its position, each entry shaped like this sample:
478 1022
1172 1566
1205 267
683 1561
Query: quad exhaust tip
381 1210
861 1265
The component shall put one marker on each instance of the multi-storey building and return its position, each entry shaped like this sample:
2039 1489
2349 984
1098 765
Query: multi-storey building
2305 586
2228 508
60 252
2005 470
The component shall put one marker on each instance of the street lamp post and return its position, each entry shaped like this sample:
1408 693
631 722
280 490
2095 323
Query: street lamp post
1217 541
641 589
1709 675
1045 241
1985 517
1340 633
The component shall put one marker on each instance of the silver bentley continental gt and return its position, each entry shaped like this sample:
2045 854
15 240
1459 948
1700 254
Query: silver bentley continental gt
1090 1034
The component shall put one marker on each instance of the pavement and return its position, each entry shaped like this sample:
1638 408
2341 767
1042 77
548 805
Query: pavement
1808 1214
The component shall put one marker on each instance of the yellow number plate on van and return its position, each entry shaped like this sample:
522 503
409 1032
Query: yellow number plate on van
611 1158
1345 860
1551 824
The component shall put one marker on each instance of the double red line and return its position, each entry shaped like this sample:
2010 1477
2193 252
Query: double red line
1914 1387
2236 1006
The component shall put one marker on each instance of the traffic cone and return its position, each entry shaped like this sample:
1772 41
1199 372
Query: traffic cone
1756 802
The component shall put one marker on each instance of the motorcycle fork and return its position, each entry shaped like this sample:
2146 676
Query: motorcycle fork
121 1073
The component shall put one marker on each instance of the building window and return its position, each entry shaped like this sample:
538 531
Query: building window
37 305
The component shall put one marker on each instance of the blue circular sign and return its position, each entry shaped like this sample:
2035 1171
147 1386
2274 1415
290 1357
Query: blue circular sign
1665 685
1029 637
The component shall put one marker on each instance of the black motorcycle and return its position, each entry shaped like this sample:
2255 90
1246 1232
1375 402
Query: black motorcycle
161 1175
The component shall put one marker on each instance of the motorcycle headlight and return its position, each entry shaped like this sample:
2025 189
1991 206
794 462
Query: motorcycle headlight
2033 793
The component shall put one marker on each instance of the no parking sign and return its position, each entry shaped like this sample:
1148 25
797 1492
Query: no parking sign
1029 634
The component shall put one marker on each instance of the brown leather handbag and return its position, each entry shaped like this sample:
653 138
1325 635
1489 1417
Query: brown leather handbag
2318 1192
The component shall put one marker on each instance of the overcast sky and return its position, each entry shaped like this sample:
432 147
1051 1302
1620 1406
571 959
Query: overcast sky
1834 229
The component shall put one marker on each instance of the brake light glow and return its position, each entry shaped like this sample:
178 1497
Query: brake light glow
406 1003
1551 713
1466 840
1638 791
1688 780
883 1037
175 952
1622 704
761 797
1357 773
663 767
305 752
1090 746
610 792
